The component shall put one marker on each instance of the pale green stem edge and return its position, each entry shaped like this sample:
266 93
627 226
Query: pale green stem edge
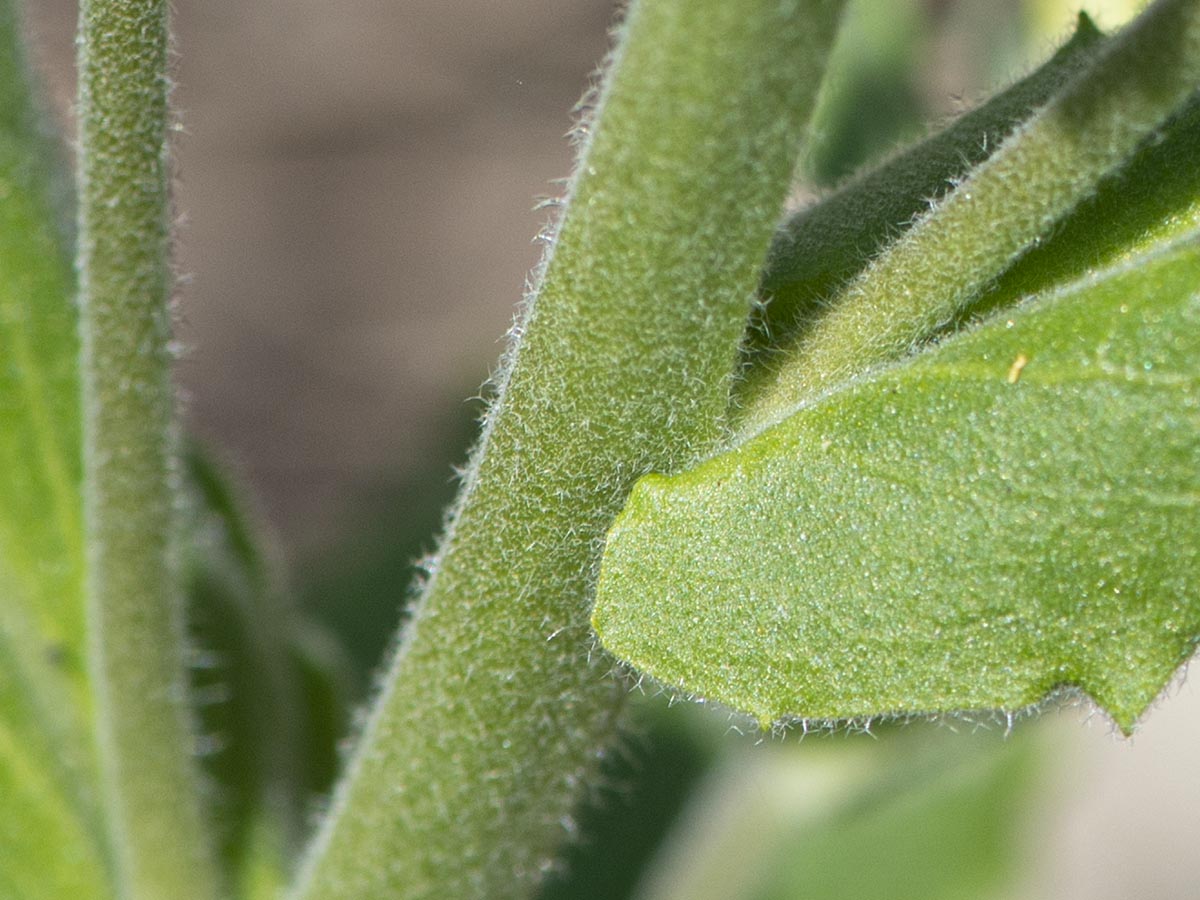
498 707
134 604
1011 201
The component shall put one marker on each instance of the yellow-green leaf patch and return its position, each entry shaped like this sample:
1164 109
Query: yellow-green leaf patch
51 834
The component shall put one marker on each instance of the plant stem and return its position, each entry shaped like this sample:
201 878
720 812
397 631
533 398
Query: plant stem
498 707
134 601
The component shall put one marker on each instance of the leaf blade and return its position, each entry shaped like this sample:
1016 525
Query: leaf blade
941 266
918 542
52 835
819 249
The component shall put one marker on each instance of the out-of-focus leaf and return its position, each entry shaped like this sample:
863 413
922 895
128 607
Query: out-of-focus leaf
972 528
870 97
51 833
49 843
913 813
643 786
324 677
950 830
267 686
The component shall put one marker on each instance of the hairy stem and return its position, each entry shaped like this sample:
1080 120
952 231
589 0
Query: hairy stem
134 604
497 707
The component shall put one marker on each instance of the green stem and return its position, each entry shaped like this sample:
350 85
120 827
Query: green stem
134 603
497 707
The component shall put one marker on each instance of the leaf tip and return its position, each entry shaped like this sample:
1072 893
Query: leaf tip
1085 27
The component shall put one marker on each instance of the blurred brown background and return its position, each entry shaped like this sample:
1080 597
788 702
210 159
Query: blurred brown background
355 187
355 183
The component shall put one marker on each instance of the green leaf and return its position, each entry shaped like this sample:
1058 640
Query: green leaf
911 812
969 529
51 833
49 842
870 97
1153 200
244 683
819 249
271 686
944 824
941 266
